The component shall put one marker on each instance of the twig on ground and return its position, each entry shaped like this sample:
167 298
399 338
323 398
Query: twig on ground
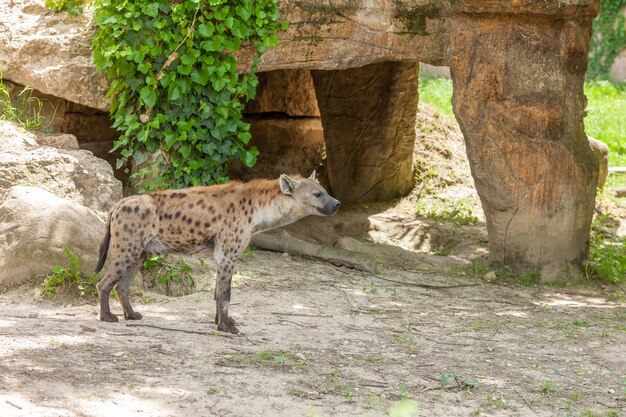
374 384
419 284
14 405
526 401
300 314
296 323
213 333
230 364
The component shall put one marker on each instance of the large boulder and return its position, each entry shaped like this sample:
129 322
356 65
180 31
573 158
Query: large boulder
50 52
76 175
36 225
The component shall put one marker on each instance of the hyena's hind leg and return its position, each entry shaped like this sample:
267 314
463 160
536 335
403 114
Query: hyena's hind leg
104 292
122 287
119 275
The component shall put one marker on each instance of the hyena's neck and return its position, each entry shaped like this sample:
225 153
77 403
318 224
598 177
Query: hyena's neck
277 212
272 208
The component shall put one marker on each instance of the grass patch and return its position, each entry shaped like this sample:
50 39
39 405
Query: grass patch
23 109
607 251
437 92
605 121
68 279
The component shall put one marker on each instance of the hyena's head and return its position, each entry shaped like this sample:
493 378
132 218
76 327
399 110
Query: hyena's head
312 197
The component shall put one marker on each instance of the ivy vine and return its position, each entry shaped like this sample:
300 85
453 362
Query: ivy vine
608 40
177 93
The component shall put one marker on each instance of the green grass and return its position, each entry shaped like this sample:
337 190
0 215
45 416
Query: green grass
437 92
25 109
69 279
605 120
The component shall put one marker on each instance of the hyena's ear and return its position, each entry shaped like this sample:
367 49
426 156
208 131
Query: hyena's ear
287 184
312 176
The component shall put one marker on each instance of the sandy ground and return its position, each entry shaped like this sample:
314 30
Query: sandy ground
319 340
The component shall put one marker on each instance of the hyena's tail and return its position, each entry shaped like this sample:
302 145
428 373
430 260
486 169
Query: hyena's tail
104 246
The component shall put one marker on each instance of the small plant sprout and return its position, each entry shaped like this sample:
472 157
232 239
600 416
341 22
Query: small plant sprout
467 383
370 289
547 387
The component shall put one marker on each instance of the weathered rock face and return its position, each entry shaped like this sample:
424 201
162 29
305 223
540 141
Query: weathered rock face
601 152
290 92
51 52
35 226
368 115
285 125
287 146
73 174
517 67
519 100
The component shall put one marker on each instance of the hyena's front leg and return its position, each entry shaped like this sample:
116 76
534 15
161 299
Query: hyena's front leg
222 287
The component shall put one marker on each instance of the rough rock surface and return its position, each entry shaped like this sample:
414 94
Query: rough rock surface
65 141
519 100
35 226
285 91
72 174
287 146
50 52
601 152
368 115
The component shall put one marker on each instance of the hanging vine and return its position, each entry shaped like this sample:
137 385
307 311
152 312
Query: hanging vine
608 39
177 93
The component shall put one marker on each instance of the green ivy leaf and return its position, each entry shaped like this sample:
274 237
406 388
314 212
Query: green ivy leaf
206 29
170 57
151 9
249 157
200 77
148 96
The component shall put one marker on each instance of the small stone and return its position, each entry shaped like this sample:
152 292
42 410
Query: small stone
490 276
118 354
300 356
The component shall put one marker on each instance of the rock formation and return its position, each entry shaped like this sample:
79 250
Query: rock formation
517 68
50 198
35 226
519 100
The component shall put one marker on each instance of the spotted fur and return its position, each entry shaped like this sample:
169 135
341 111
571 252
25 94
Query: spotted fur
219 218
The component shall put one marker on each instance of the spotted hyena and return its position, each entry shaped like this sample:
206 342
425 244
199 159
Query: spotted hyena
219 218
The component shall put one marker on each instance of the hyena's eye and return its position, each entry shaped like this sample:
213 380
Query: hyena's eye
317 194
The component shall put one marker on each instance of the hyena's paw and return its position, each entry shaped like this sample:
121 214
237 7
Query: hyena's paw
108 317
229 328
228 321
132 316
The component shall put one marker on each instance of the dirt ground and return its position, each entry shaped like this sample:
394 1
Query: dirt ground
319 340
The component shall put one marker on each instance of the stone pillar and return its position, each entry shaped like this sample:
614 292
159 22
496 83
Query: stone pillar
368 116
518 97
